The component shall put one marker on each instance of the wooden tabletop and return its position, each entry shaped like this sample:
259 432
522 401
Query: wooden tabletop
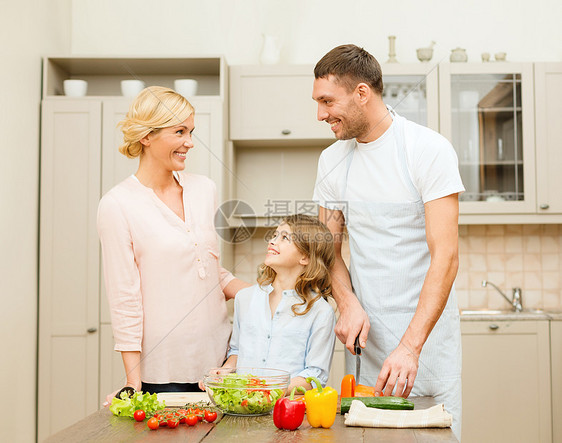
102 426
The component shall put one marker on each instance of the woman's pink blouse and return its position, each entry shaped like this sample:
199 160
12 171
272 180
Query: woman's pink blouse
163 279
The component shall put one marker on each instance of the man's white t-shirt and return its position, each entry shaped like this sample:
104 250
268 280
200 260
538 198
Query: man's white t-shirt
375 173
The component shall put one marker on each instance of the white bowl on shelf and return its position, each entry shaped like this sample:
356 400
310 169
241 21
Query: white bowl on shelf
131 88
186 87
74 87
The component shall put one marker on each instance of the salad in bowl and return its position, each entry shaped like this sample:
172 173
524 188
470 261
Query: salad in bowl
246 391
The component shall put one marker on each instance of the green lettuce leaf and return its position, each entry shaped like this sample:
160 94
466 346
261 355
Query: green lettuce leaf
126 406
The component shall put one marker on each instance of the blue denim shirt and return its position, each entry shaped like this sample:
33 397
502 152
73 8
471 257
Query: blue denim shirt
303 345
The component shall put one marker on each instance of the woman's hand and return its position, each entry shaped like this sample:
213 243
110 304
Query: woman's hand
110 397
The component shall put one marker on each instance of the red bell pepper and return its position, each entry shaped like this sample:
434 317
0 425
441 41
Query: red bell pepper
288 413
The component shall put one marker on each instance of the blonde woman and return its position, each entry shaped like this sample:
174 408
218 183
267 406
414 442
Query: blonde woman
284 321
165 287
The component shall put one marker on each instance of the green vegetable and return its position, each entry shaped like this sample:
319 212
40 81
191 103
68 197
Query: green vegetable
377 402
245 396
126 406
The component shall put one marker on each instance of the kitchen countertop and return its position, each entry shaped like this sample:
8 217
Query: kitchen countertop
103 426
501 315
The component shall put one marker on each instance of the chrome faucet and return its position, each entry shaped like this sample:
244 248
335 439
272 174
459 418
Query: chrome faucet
516 301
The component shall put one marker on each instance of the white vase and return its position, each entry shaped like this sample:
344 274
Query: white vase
271 50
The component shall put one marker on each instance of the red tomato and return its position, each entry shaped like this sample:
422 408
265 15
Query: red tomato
192 420
172 423
139 415
182 413
153 423
210 416
199 413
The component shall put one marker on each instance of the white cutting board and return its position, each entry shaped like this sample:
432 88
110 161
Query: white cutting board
181 398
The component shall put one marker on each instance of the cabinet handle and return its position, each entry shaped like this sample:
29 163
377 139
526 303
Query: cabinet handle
92 330
286 131
544 206
493 327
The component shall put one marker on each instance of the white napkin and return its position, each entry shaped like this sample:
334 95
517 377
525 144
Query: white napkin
360 415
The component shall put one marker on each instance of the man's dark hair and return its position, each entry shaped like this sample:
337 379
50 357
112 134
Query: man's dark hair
351 65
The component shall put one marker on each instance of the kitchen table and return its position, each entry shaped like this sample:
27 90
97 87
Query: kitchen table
102 426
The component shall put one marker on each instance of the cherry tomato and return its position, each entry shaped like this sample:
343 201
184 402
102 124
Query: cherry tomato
192 420
182 413
199 413
172 423
153 423
139 415
210 416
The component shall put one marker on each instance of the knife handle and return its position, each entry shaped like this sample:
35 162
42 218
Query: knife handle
357 346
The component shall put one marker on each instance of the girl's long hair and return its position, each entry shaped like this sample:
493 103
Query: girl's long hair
314 239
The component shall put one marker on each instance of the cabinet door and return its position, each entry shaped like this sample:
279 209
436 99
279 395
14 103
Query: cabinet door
337 370
69 263
556 355
274 102
548 103
487 112
112 372
506 381
413 92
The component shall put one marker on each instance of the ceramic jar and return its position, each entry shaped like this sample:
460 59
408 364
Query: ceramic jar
458 55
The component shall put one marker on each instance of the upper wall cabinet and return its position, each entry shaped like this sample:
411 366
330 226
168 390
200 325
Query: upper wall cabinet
487 112
548 105
274 102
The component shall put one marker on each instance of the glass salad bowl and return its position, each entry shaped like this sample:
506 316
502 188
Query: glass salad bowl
246 391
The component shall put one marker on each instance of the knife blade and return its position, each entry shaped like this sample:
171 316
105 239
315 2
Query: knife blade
357 360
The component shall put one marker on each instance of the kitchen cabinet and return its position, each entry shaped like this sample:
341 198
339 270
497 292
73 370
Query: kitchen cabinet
506 381
556 365
79 163
548 112
69 263
487 112
274 102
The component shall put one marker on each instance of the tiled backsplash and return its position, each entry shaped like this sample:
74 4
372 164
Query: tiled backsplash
525 256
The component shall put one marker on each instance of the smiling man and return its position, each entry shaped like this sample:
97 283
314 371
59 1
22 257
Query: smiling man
394 185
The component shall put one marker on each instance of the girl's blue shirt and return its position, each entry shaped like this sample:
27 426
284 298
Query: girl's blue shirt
303 345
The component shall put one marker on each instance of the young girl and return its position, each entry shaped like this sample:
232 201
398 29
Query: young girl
284 322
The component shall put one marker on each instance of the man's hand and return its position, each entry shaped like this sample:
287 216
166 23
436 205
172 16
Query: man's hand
353 321
399 370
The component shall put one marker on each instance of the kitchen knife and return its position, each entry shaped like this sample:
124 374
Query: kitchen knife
357 360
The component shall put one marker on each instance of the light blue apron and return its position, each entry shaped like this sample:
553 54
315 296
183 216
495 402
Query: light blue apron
389 261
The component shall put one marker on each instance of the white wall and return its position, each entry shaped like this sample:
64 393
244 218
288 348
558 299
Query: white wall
527 30
30 29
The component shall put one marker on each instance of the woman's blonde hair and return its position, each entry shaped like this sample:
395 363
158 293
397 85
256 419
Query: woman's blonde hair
314 239
154 108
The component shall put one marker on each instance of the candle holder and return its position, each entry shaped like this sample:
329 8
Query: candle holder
392 49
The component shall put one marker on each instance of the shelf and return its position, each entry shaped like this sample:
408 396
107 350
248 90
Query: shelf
105 74
495 109
493 163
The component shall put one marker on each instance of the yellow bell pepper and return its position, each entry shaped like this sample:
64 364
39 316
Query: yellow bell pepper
321 405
